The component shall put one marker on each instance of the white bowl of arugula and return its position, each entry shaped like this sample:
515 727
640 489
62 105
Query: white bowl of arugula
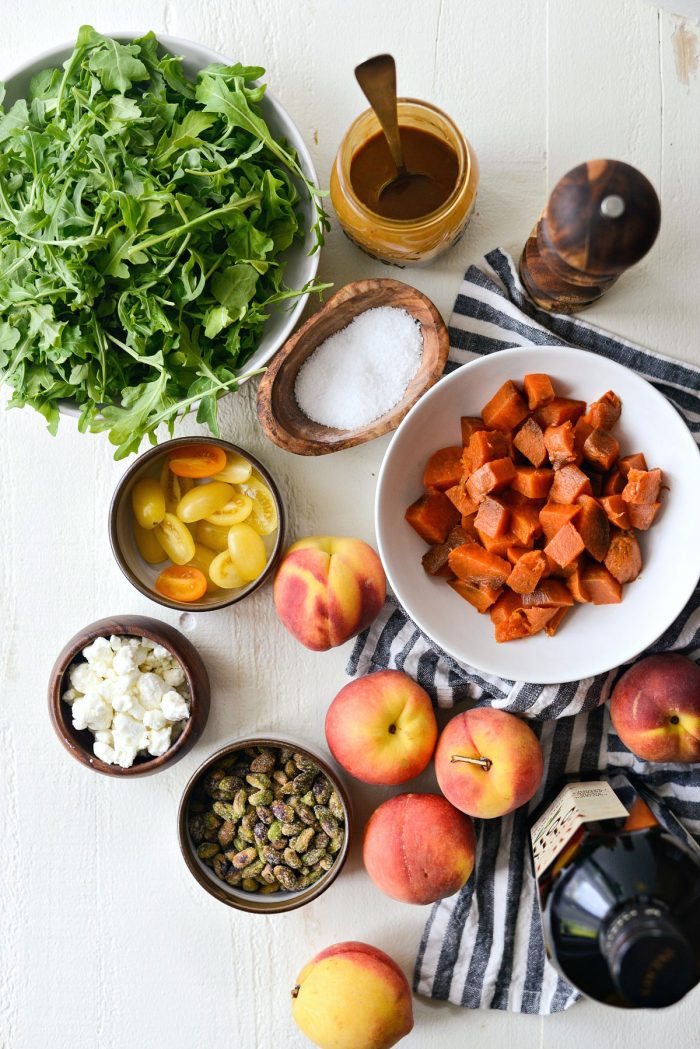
160 223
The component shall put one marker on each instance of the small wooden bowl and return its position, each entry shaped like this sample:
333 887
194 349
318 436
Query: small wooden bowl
281 417
254 903
79 743
143 576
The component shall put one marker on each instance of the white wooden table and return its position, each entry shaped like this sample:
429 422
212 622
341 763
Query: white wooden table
106 941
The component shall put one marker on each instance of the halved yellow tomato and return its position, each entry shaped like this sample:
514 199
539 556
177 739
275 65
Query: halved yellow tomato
176 539
182 583
197 460
237 469
247 551
237 509
263 517
203 500
173 487
224 573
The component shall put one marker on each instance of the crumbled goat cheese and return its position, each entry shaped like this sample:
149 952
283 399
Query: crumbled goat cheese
131 694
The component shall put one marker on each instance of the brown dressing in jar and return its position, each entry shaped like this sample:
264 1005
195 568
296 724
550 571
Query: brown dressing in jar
372 169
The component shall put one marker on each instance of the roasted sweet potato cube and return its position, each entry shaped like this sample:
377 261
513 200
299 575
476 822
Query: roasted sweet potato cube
493 476
538 390
484 446
601 449
470 424
624 558
642 486
525 523
481 597
560 410
527 572
554 516
602 587
458 496
529 440
506 409
565 546
443 469
467 524
493 517
432 516
642 515
550 593
615 509
532 481
473 564
604 413
569 483
559 442
636 461
593 526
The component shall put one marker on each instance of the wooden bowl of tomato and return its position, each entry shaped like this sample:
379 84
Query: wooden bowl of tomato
197 524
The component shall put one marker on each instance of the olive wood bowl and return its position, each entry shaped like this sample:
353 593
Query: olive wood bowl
280 416
78 743
143 576
255 903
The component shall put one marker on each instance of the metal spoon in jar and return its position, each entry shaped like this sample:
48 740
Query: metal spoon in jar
377 78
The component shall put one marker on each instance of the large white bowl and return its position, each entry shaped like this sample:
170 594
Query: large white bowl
300 266
592 639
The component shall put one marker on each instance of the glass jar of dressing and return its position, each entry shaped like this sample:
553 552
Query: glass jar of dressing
410 223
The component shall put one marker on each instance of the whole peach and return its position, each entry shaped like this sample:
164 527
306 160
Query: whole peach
352 996
488 762
418 849
381 728
655 708
327 590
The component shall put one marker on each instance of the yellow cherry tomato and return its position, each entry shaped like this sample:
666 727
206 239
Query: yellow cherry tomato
182 583
197 460
176 539
148 502
202 560
173 487
224 573
148 546
247 551
213 536
237 509
237 469
263 517
203 500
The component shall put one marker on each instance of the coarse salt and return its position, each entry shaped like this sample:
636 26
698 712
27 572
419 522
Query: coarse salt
361 372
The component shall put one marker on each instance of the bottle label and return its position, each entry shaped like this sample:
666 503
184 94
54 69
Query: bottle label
578 803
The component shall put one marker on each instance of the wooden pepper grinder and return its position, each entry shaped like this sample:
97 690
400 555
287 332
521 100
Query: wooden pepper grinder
602 217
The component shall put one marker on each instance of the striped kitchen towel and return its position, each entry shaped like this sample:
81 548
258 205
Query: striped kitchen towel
483 947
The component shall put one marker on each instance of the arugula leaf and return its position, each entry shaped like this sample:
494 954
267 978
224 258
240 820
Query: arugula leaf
143 217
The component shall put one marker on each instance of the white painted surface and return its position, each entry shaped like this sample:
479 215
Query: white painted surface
106 941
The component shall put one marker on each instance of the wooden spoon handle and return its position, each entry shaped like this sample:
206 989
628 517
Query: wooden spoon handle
377 78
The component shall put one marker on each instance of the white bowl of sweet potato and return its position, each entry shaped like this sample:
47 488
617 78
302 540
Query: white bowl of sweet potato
537 514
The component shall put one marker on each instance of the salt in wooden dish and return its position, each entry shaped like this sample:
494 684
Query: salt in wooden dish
282 419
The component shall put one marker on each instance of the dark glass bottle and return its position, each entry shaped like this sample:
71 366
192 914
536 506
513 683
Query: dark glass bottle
619 886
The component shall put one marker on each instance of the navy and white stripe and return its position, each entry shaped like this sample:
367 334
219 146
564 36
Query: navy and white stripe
483 948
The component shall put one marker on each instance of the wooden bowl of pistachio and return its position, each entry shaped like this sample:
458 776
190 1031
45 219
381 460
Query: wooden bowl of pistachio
264 825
